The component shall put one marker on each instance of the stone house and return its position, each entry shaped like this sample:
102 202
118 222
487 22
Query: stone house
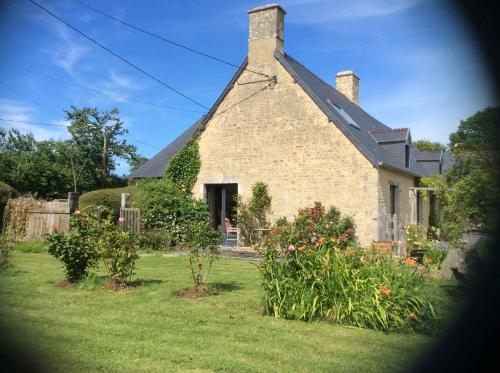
279 123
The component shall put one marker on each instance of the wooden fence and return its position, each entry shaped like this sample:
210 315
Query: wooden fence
391 228
30 219
132 218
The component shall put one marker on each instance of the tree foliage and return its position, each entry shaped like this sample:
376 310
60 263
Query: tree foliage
98 134
429 146
254 214
468 192
52 168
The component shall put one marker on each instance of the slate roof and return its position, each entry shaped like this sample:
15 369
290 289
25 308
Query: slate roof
156 165
373 138
428 156
323 94
391 135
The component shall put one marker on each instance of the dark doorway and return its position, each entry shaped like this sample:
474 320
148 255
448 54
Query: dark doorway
221 200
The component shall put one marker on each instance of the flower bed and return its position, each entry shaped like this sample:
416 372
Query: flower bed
313 269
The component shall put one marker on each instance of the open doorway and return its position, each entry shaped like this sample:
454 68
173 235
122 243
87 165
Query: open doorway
221 200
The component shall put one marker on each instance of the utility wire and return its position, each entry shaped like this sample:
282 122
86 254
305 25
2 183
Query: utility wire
137 28
62 125
110 95
26 97
117 55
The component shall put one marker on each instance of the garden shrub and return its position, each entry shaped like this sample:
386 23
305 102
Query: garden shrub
312 268
78 248
5 249
118 251
6 192
254 214
203 243
155 239
166 208
433 258
110 198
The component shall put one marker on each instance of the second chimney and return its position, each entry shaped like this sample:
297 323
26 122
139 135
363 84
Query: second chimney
347 83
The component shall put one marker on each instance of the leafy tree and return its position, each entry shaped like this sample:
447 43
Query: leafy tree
468 192
137 162
429 146
98 134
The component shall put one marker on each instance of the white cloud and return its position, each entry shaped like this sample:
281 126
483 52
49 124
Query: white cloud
22 118
67 53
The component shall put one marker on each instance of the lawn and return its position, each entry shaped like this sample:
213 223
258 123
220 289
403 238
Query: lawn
149 328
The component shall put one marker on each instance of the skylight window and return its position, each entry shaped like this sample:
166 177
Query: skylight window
344 114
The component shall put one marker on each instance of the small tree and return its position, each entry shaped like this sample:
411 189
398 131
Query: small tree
203 243
254 214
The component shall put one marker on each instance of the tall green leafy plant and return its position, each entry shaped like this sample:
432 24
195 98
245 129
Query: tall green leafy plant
118 252
167 208
184 166
78 249
203 243
254 214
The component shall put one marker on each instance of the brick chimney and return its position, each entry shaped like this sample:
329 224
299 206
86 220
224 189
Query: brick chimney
266 33
347 83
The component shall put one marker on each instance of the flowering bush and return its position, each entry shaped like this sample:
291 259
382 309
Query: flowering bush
417 238
203 243
313 268
93 236
118 252
433 258
78 249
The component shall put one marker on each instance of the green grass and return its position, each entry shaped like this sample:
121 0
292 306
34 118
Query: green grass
31 247
150 329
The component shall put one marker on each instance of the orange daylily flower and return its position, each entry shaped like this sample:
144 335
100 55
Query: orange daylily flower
411 262
384 290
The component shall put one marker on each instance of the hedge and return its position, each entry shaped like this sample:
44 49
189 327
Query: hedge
110 198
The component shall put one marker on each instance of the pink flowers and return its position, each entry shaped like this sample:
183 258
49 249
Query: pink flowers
121 220
78 213
291 248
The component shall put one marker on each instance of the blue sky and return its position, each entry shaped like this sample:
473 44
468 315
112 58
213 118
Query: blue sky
418 66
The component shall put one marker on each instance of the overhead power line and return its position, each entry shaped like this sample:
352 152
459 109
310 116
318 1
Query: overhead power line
137 28
110 94
24 96
118 56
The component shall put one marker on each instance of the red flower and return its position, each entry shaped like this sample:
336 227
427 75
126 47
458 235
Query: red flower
411 262
384 290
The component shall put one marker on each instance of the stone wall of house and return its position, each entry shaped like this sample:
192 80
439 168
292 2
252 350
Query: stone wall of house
276 134
403 182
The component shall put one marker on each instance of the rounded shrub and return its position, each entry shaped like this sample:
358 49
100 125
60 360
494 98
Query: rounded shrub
110 198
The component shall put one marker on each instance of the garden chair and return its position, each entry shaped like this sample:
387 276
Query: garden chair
232 233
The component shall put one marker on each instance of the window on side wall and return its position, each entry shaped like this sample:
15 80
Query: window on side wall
407 156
